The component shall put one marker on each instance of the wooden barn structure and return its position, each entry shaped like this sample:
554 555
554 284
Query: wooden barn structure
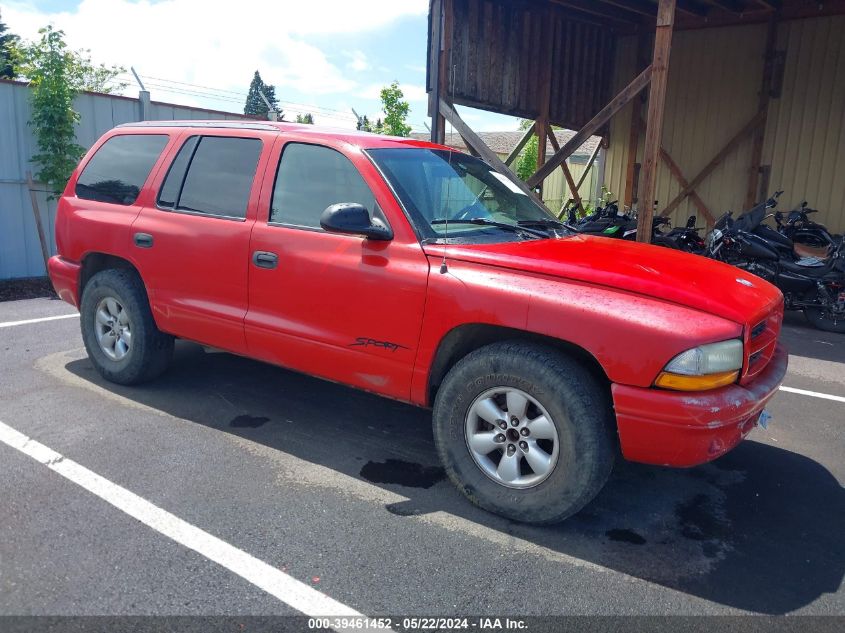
702 105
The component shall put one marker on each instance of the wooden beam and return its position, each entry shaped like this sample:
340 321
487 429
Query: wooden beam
520 144
717 159
566 173
678 174
486 154
654 118
675 170
617 103
732 6
588 166
591 7
753 191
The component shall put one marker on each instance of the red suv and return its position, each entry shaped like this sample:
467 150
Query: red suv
421 274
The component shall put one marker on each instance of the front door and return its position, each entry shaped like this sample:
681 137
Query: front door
337 306
192 247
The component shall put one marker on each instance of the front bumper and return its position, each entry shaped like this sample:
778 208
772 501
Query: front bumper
673 428
65 277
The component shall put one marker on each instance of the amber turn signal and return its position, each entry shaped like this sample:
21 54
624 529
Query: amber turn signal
679 382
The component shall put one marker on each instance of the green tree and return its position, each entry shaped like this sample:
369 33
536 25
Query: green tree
53 73
396 111
7 41
255 104
306 118
526 164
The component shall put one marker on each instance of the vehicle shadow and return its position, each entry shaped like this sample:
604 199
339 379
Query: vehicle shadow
758 530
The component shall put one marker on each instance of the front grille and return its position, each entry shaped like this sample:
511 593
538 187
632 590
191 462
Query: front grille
760 342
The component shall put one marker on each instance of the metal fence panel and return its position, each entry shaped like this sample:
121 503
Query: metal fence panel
20 251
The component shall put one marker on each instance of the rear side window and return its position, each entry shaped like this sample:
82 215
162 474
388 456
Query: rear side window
120 167
212 175
311 178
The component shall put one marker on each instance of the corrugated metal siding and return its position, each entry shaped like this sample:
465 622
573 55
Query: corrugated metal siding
805 131
20 252
714 80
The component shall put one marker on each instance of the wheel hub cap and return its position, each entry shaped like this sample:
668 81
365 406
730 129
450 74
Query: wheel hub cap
512 438
112 328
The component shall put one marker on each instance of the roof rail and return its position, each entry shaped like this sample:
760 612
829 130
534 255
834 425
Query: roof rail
205 124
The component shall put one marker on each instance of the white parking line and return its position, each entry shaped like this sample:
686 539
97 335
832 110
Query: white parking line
41 320
814 394
292 592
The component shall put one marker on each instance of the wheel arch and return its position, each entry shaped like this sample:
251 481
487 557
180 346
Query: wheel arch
465 339
96 261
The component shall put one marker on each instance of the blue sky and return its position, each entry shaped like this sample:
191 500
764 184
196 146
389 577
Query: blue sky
324 56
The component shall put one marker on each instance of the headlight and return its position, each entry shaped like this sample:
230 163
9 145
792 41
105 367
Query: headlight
713 237
704 367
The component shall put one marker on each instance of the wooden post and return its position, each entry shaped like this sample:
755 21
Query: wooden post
617 103
654 118
39 226
541 127
753 192
434 66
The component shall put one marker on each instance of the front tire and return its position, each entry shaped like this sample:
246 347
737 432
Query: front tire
118 329
525 432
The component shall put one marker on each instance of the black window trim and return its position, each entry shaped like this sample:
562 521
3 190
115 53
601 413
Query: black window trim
319 229
150 175
218 216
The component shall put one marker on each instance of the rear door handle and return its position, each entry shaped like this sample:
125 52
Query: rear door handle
265 259
143 240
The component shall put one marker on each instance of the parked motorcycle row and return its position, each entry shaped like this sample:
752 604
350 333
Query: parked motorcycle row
801 257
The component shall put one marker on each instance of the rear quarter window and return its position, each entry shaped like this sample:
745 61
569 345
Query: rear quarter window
120 167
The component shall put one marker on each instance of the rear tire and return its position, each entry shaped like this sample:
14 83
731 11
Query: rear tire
579 442
824 319
118 329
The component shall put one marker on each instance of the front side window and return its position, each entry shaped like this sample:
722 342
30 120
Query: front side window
212 175
311 178
449 194
120 167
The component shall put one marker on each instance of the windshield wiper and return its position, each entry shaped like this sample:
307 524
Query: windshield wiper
513 228
545 224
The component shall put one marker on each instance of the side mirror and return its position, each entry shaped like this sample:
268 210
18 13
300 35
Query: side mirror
351 218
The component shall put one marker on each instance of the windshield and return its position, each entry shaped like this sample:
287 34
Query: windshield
449 194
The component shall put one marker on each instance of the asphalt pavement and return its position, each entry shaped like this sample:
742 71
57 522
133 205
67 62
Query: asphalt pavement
184 496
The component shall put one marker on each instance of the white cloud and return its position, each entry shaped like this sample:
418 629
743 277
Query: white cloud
357 61
192 41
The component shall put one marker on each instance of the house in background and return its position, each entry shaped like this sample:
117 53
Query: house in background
555 189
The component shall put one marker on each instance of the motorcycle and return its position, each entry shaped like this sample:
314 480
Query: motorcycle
801 230
609 222
813 285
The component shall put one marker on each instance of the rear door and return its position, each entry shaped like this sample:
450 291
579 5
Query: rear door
338 306
192 246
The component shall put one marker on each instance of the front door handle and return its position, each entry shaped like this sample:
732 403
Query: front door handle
143 240
265 259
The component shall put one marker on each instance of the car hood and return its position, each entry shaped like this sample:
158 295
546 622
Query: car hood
653 271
